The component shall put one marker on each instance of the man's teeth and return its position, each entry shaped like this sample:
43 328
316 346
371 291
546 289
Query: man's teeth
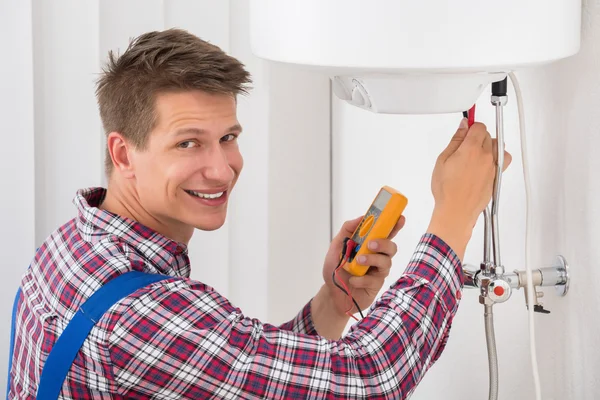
206 195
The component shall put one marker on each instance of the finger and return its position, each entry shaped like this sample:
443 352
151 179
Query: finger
366 282
383 246
488 144
381 262
349 227
507 160
399 225
477 134
456 140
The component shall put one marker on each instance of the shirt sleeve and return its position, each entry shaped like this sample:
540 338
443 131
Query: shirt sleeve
183 342
302 322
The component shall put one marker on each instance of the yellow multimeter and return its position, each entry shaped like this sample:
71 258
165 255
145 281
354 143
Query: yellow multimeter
378 223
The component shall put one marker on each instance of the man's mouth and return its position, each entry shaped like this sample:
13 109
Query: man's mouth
206 195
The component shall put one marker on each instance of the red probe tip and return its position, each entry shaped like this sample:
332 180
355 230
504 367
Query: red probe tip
472 116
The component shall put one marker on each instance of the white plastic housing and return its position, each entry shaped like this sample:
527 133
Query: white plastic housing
407 56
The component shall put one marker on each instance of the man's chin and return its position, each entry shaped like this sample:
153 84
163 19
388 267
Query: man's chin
210 225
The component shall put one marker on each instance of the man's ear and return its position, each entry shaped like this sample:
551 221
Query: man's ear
119 150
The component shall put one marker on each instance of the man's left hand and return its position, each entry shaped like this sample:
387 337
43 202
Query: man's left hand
364 288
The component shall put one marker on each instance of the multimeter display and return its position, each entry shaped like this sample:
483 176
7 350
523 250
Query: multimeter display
367 223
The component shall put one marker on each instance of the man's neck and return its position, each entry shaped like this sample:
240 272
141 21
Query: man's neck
126 203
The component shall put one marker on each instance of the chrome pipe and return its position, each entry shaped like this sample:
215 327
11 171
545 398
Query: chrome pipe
470 277
498 183
487 237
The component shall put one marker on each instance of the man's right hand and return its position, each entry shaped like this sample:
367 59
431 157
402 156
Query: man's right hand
463 183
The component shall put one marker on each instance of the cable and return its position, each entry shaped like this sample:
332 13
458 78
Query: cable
346 250
528 225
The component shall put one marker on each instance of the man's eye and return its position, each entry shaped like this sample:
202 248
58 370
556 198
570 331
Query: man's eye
229 137
187 144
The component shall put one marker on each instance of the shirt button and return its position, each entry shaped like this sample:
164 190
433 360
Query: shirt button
178 249
458 295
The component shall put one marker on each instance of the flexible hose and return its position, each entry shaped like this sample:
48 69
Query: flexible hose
490 339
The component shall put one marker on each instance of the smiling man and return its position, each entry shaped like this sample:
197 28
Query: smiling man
168 106
180 177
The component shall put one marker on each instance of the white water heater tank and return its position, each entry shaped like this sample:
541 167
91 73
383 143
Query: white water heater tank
410 56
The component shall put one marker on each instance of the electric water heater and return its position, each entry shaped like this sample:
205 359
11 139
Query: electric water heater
414 57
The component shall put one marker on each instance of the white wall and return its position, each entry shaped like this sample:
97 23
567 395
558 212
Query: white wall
17 169
561 108
566 126
285 179
299 187
49 114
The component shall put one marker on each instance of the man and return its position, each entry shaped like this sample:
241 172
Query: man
168 106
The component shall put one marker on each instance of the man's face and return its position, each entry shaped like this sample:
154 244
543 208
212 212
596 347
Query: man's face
192 161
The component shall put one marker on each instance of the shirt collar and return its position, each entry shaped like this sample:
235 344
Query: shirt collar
166 255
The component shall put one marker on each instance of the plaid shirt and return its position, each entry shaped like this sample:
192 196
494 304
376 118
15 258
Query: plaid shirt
179 338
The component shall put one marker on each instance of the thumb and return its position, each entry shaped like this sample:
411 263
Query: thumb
507 160
348 228
456 140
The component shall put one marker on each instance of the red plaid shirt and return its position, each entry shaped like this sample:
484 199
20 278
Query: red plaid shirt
181 339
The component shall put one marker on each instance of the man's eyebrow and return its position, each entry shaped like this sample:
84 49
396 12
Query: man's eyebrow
235 128
197 131
186 131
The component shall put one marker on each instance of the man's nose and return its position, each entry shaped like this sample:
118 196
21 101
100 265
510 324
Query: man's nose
217 166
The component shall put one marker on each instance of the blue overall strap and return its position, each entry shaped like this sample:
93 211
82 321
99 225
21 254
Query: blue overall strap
67 346
11 350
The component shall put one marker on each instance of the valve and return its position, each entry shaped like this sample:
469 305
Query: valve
499 290
496 288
